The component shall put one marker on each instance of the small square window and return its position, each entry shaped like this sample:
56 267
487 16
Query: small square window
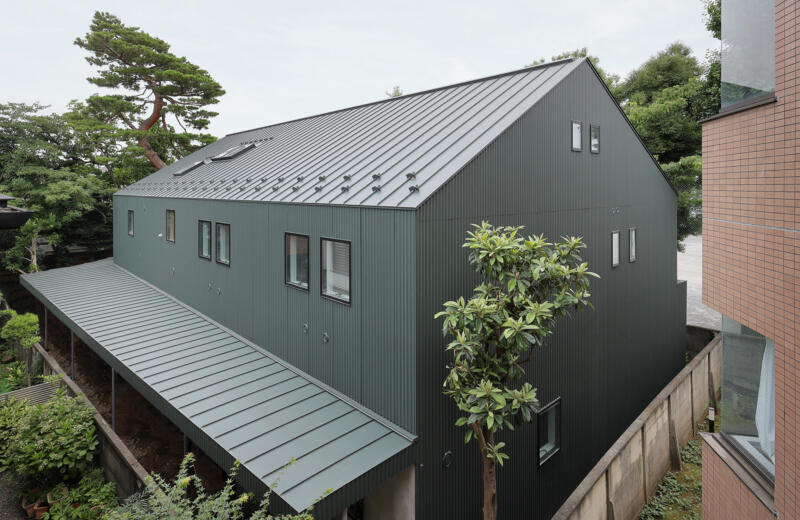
594 139
130 222
614 248
632 245
548 428
577 136
223 243
170 225
296 252
335 269
204 239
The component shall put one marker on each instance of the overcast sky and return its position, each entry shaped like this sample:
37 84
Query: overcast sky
289 59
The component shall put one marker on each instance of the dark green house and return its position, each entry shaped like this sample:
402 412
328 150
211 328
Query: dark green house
273 293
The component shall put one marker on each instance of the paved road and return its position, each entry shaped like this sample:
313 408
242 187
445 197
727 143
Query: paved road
690 268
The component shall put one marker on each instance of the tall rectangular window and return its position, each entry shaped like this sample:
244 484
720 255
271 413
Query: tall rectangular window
130 222
223 243
548 426
296 252
748 394
170 225
614 248
748 50
594 138
577 136
204 239
632 245
335 269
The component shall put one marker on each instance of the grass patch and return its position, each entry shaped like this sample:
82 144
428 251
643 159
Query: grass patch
680 493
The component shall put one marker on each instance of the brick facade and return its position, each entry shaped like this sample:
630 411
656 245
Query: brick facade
724 495
751 255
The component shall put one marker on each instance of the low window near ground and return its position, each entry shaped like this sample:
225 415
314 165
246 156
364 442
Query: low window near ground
548 424
632 245
170 225
296 251
614 248
577 136
748 394
223 243
204 239
594 138
130 222
335 269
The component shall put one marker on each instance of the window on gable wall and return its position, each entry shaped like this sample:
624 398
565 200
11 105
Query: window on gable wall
204 239
170 236
296 252
614 248
335 269
577 136
548 428
130 222
223 243
632 245
594 138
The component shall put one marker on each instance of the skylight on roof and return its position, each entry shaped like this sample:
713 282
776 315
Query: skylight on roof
187 169
230 153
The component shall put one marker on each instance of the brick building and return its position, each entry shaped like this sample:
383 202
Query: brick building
751 230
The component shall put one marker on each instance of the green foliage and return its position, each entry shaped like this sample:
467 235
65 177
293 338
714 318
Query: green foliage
21 328
686 175
671 67
528 284
611 80
157 89
12 376
713 17
12 412
54 441
92 494
186 499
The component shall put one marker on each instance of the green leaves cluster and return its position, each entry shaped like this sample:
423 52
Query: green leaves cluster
53 442
528 284
91 493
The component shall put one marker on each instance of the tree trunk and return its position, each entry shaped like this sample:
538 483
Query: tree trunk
489 479
151 154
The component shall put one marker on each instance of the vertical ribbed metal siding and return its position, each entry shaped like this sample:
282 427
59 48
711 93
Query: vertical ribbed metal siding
604 364
371 353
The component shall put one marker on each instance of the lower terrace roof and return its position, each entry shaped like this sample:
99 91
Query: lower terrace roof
231 397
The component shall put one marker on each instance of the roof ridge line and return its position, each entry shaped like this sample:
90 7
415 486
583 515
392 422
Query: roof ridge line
406 96
327 388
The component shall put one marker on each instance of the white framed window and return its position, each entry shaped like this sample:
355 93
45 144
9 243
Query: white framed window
548 428
594 139
130 222
204 239
170 235
335 269
296 252
577 136
632 245
223 243
614 248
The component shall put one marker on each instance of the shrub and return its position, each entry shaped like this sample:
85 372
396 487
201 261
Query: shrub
12 376
55 441
91 493
11 413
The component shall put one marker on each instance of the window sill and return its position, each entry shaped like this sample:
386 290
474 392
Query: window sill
742 468
764 99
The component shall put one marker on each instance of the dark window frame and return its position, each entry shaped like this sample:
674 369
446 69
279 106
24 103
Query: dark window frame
543 411
349 271
200 223
286 235
592 128
571 141
131 222
615 232
632 233
174 225
216 242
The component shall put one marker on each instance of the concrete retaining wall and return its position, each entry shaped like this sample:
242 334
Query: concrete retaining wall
119 464
620 484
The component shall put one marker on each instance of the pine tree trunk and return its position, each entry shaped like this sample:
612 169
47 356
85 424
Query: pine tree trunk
489 483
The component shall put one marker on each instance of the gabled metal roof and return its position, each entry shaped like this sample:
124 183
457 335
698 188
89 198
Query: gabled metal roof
247 402
392 153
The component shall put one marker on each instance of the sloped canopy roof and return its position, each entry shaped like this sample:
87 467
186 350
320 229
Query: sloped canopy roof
392 153
242 402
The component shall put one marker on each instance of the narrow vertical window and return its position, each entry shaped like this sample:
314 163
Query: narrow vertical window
335 269
577 136
223 243
170 225
204 239
548 427
594 138
615 249
632 245
296 252
130 222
